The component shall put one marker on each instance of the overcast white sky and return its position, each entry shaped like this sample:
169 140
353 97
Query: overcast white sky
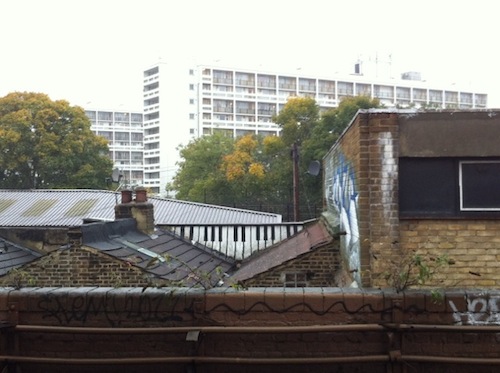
93 52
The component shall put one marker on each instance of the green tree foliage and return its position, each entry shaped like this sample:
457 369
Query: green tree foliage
297 119
243 172
315 132
199 177
253 171
49 144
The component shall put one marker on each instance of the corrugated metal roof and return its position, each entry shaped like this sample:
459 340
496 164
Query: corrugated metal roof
68 207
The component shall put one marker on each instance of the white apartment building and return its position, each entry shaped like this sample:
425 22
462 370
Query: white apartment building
183 102
124 132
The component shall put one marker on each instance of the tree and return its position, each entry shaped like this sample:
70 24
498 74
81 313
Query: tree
49 144
315 132
199 177
297 119
253 171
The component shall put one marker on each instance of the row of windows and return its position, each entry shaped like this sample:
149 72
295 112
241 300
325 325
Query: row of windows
111 116
223 81
121 136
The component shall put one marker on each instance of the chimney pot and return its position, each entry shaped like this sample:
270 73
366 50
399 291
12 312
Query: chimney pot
126 196
141 195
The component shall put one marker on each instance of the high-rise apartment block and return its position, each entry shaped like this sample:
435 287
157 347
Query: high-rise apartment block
124 133
183 102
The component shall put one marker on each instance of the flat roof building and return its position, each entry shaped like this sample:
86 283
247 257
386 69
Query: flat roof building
124 132
184 101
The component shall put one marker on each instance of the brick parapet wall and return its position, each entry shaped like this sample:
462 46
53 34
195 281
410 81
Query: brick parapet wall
147 307
234 328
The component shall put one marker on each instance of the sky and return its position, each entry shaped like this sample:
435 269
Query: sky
92 53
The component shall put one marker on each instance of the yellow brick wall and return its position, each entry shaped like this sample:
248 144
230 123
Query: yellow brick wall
472 245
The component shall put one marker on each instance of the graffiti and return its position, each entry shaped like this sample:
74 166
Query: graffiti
342 196
115 309
480 311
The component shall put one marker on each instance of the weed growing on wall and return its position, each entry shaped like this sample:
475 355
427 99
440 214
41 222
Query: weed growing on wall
18 278
414 270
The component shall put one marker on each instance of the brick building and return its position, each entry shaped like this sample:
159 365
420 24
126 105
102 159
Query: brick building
404 182
128 251
308 259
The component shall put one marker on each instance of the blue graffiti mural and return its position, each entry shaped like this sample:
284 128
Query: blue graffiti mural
342 198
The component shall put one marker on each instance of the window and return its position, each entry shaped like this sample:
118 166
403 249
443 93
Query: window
479 185
151 87
137 117
91 115
123 156
449 188
294 279
191 87
105 115
121 117
122 136
151 131
191 116
152 116
136 136
137 174
107 135
152 101
152 71
191 101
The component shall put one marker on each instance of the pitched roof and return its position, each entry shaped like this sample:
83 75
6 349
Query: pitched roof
311 237
68 207
13 256
164 255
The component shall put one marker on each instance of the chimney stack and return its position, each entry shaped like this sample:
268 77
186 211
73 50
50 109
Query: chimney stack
139 209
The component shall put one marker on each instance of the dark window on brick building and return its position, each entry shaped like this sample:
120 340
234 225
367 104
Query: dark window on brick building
449 187
294 280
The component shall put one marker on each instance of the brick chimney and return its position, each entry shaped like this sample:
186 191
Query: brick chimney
139 209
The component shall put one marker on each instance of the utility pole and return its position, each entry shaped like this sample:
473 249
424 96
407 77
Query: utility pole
295 160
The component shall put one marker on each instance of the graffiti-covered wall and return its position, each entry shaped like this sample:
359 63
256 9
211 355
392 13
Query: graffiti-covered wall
341 195
263 330
360 174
